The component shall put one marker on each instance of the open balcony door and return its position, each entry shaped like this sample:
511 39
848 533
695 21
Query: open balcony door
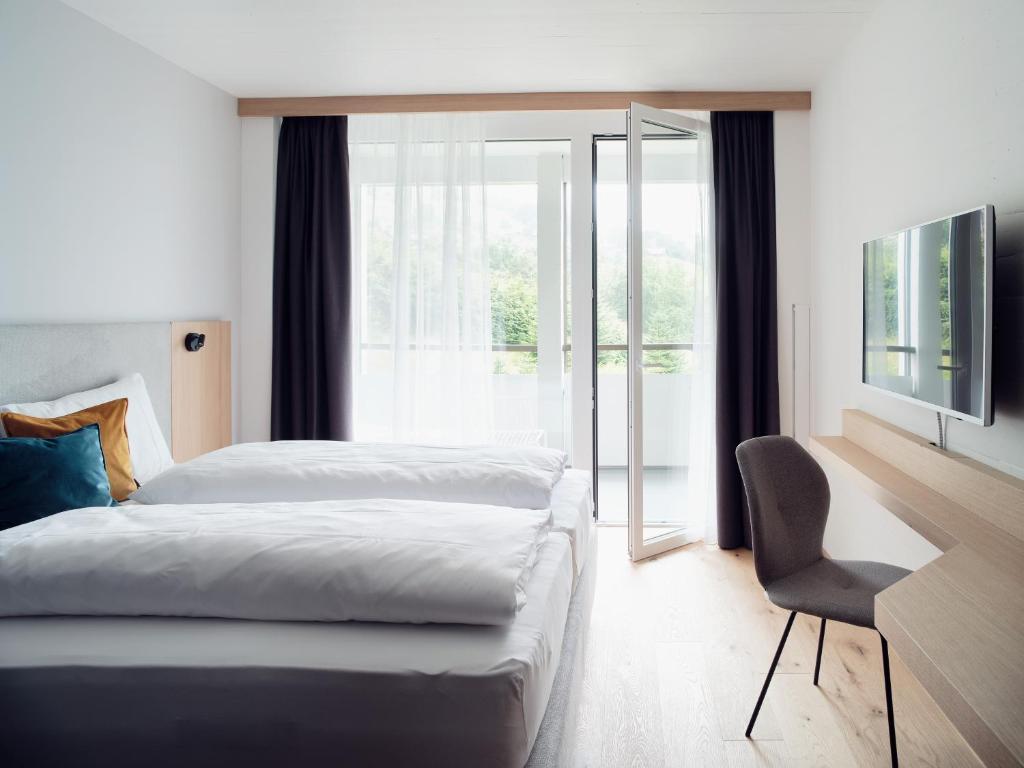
659 528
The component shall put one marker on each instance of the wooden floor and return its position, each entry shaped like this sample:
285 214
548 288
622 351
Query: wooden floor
677 651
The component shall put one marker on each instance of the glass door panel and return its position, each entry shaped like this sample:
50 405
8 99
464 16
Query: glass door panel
611 214
660 275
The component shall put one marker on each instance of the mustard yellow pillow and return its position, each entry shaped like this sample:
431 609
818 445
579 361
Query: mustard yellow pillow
113 438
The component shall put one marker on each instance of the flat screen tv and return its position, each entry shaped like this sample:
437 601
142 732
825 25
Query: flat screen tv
928 314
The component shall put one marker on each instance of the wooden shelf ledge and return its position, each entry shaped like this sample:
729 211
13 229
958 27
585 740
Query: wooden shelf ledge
958 622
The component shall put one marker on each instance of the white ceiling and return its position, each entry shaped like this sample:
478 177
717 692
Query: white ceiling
342 47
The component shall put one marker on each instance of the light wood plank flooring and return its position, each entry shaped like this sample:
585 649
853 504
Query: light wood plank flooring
678 648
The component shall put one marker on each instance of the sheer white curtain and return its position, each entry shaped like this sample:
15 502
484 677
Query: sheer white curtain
702 503
423 314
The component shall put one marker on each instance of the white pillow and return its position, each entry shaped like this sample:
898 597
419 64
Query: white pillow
150 455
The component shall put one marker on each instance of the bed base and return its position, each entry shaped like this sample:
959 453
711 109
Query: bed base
555 746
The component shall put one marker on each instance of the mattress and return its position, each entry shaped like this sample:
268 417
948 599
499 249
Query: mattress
168 691
572 508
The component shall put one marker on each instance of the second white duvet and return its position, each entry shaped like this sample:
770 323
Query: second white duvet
376 560
311 470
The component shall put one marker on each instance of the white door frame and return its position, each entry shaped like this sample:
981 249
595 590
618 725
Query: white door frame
639 547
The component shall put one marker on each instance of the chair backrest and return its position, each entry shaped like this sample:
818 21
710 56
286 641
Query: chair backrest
788 497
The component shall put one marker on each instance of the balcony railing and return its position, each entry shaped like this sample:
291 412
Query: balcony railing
900 348
650 347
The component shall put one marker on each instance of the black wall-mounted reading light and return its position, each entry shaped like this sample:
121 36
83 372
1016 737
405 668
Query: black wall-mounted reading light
194 341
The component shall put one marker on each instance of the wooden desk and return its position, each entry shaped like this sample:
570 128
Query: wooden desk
958 622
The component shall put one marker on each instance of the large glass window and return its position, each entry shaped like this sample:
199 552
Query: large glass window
527 225
522 217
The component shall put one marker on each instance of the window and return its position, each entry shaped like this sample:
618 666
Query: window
418 270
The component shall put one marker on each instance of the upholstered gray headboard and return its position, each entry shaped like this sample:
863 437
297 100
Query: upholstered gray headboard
43 362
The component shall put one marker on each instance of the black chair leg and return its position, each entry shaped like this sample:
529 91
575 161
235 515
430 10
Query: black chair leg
821 642
888 702
771 671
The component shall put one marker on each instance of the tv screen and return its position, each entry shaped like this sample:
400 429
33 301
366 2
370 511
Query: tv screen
928 314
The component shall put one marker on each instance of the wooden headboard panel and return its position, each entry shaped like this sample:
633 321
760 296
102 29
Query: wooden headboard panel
191 391
200 389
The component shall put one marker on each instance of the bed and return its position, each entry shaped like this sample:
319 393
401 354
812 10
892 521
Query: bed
167 691
205 691
170 691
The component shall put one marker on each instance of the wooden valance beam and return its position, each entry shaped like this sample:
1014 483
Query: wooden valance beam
303 106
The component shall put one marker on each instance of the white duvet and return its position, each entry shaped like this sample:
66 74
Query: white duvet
311 470
377 560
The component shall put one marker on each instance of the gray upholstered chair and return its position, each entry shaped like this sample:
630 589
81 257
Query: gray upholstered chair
788 497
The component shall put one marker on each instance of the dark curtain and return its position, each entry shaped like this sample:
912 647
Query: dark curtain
312 379
746 367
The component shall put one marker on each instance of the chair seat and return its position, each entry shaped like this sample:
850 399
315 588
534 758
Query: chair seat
839 590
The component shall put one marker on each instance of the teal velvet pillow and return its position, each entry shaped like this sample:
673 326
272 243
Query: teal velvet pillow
43 476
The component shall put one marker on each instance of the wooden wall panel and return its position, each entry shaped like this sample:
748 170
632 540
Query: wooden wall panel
300 106
200 389
994 496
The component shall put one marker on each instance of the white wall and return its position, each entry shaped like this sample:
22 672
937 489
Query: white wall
259 165
792 238
922 116
119 178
